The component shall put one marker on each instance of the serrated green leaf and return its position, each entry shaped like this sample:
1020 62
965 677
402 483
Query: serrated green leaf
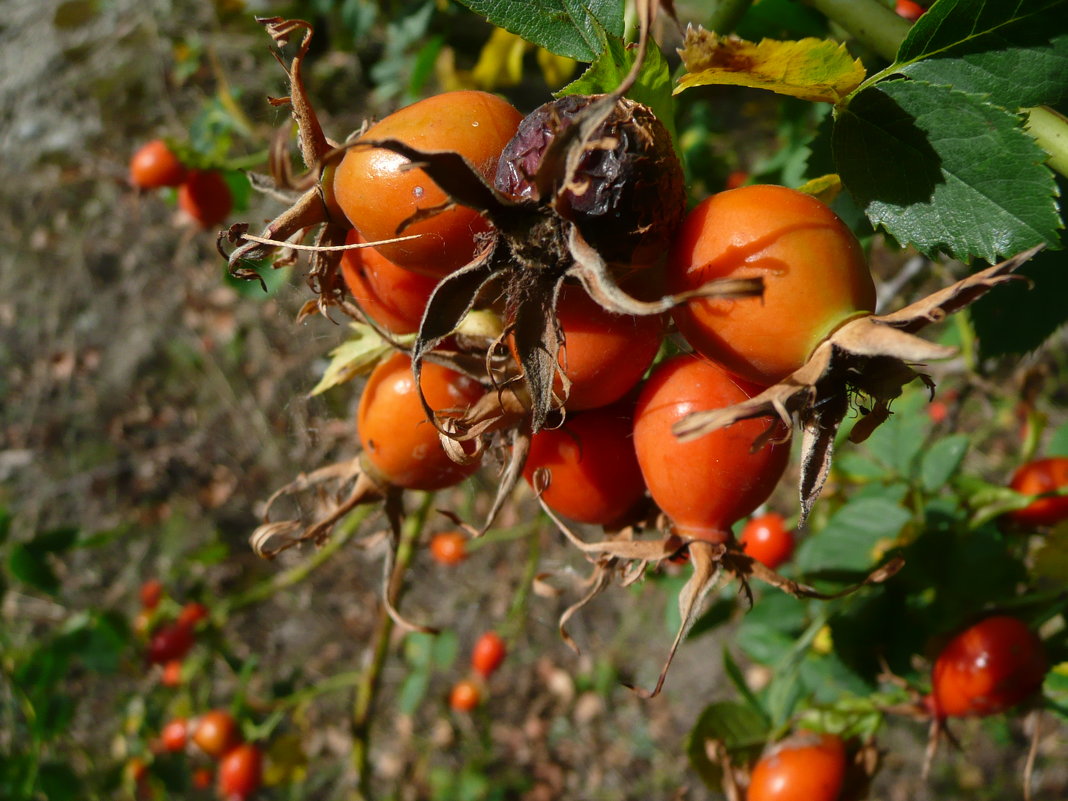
1016 53
653 87
1018 317
849 541
941 461
31 567
578 29
943 170
739 727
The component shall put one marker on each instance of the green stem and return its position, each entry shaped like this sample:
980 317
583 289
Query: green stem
869 21
296 574
367 686
517 611
1050 130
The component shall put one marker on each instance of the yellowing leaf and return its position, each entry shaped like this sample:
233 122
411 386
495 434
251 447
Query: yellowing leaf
555 69
825 188
354 356
812 69
501 61
1051 558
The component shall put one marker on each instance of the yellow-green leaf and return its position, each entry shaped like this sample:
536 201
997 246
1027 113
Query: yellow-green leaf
825 188
501 61
355 356
812 69
555 69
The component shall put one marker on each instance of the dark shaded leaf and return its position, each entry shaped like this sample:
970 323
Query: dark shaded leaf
1014 52
1023 315
31 567
915 155
740 728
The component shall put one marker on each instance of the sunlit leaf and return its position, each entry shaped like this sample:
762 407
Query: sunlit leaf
355 356
577 29
652 89
812 69
945 171
500 63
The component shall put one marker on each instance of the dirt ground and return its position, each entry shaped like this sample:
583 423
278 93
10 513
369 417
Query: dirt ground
142 393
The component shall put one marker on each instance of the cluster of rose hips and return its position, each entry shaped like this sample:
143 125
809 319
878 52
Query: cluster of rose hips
216 734
202 194
615 446
170 639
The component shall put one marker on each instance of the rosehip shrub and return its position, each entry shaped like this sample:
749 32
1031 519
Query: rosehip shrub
987 668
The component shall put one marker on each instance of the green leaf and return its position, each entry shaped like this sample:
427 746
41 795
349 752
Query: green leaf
57 539
849 540
739 727
58 780
734 673
943 170
5 524
356 355
1014 52
31 567
653 87
445 649
1018 317
578 29
1058 442
941 461
412 691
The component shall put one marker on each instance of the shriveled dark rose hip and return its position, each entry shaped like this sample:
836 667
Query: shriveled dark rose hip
627 196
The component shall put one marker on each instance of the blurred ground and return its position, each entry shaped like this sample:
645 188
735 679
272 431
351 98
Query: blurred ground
143 393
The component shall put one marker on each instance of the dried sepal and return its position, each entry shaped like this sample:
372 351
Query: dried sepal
337 489
871 358
708 574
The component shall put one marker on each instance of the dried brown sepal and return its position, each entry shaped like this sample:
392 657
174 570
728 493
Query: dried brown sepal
870 359
335 491
708 573
310 209
743 566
